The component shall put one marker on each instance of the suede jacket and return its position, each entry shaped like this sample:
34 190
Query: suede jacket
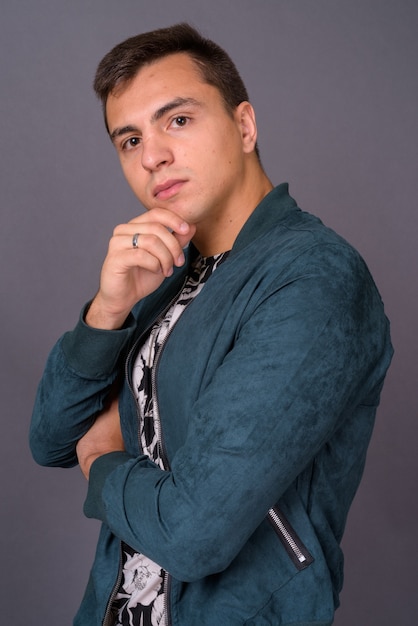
266 392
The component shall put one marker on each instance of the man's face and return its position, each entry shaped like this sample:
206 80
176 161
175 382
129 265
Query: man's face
178 146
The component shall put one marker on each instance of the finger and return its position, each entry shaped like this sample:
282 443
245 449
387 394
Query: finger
166 218
168 238
155 238
158 255
155 253
185 239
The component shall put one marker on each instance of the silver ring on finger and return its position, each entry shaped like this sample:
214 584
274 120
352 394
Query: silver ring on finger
135 240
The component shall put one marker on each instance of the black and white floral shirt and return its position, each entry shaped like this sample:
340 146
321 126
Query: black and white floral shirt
140 598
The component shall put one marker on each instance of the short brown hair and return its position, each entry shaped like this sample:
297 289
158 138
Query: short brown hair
125 60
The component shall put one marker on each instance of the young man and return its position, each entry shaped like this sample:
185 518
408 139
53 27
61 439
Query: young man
219 391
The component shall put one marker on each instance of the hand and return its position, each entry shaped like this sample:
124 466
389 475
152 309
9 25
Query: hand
129 274
103 437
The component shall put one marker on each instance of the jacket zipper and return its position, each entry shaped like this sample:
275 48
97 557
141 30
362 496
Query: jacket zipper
167 577
134 348
163 451
161 443
114 590
167 591
297 551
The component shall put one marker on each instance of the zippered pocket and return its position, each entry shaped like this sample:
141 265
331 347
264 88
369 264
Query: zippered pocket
296 550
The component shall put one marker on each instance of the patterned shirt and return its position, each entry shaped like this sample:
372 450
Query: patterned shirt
141 595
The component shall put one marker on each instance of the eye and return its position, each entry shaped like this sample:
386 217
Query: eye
180 120
131 143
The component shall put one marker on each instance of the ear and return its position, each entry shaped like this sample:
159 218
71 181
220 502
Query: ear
246 120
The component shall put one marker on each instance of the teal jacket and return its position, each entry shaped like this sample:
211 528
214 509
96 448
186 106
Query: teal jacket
266 391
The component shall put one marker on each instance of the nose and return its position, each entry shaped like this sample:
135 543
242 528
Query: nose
156 152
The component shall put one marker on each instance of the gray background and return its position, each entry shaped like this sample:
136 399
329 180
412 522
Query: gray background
334 84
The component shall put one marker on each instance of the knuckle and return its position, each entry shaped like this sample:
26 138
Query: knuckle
153 239
117 230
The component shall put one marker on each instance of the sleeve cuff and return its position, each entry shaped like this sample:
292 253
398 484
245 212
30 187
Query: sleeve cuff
94 353
101 468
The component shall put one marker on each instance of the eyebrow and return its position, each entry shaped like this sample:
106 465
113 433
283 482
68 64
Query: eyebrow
159 113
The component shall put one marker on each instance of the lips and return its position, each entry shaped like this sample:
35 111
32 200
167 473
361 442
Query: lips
169 188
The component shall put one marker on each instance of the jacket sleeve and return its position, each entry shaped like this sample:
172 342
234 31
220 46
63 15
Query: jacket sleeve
308 349
78 377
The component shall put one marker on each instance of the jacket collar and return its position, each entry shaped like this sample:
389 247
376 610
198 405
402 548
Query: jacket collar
272 209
